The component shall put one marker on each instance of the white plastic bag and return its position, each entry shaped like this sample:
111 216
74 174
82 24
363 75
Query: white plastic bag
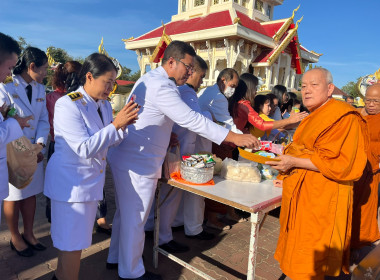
240 171
22 161
172 162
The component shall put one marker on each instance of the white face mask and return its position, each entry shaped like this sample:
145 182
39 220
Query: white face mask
229 91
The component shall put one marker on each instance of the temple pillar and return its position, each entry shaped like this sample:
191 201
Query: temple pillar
276 70
268 77
287 71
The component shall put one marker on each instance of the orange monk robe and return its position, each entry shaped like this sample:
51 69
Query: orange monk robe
365 228
316 210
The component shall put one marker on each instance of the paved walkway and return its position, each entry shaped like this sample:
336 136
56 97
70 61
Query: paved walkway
225 257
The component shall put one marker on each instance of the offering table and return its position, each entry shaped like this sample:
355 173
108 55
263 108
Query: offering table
255 198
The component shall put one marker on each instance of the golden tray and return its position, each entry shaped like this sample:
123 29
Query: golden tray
256 158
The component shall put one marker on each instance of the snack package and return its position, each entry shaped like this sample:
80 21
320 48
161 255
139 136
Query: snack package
240 171
267 172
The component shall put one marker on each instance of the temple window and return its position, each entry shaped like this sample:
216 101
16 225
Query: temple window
236 1
215 2
199 3
259 5
245 3
183 5
269 9
226 0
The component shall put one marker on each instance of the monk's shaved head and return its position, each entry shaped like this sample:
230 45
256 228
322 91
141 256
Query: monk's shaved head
316 88
372 100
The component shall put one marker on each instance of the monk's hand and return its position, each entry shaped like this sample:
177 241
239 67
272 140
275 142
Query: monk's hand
297 117
284 164
173 140
23 121
127 115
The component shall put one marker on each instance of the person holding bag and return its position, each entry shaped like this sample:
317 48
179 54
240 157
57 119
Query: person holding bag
10 128
75 175
27 95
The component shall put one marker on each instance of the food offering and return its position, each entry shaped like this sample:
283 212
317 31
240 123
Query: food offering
268 152
198 168
240 171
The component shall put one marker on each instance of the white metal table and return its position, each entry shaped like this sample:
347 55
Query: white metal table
255 198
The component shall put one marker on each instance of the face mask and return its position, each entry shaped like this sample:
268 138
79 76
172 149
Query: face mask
229 92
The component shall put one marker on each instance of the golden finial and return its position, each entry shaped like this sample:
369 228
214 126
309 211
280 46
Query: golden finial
298 22
295 10
377 74
51 60
101 48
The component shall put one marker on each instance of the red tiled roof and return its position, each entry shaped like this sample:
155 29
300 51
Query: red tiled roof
264 55
251 24
124 83
272 28
184 26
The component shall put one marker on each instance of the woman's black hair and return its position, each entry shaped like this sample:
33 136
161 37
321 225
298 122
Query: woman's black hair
97 64
29 56
260 101
246 89
279 90
8 45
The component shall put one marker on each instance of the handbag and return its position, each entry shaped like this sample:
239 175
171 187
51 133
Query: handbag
172 162
22 161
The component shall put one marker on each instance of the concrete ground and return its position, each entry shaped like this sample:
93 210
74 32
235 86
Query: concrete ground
225 257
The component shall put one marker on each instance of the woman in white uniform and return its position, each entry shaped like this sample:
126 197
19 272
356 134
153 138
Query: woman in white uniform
10 128
27 94
75 175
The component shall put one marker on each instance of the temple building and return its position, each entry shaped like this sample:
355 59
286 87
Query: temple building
239 34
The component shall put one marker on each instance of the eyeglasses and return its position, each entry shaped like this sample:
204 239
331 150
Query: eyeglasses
188 67
374 101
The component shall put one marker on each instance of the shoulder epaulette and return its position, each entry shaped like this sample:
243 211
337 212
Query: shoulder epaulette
8 80
75 96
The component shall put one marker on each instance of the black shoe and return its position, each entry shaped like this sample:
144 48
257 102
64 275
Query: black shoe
54 277
100 229
28 252
38 247
204 235
111 266
147 276
174 247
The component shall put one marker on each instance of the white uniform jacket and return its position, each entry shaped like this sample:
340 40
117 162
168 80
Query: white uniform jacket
187 138
9 131
14 93
144 149
212 100
76 170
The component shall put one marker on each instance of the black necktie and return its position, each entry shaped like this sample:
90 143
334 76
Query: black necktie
29 93
100 114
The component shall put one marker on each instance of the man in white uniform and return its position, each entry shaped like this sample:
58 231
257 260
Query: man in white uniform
183 207
214 98
136 162
10 128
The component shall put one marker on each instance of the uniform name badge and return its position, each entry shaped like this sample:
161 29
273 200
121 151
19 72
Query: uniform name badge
15 96
40 99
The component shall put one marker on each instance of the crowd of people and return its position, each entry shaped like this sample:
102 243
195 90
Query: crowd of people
329 172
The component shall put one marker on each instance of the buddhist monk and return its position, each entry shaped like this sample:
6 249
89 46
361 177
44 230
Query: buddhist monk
318 169
365 229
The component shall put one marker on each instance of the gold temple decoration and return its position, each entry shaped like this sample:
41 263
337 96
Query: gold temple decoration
51 61
158 52
285 26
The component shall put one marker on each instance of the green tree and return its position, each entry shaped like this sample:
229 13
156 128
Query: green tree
59 55
351 88
22 43
127 75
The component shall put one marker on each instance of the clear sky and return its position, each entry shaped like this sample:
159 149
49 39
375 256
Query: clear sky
346 32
